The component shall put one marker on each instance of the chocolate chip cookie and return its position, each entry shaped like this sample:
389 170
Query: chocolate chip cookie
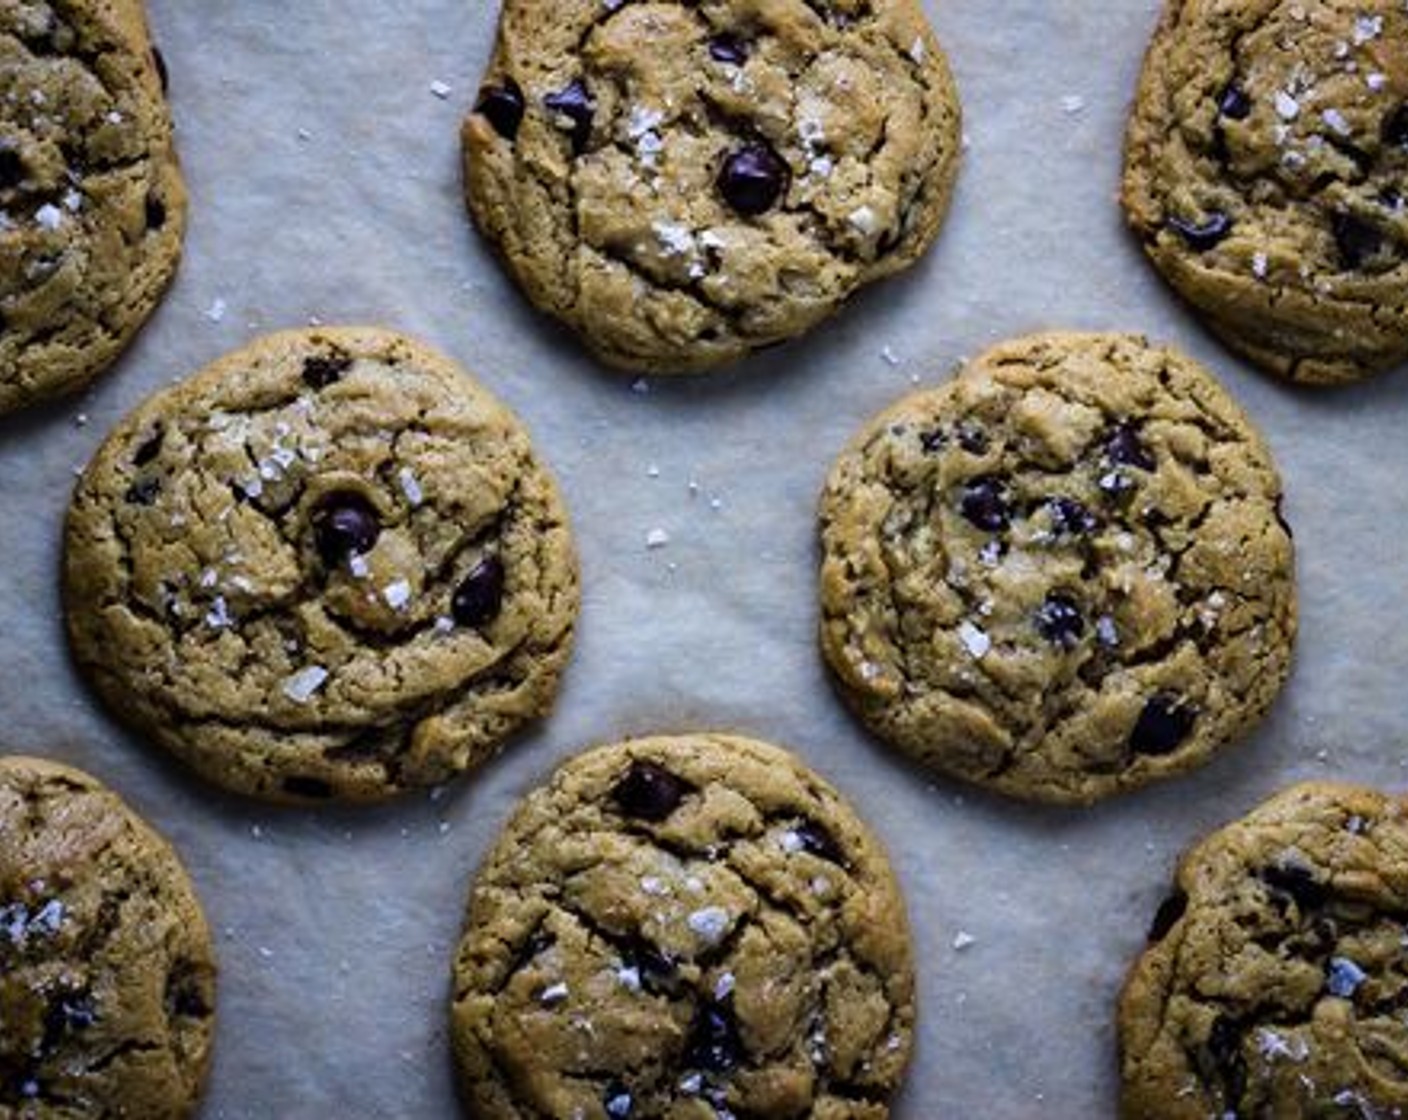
1266 172
683 183
107 982
1063 573
328 565
691 926
92 207
1277 971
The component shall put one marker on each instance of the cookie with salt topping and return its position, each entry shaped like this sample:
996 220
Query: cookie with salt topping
685 926
107 978
1266 175
330 565
1276 968
684 183
1062 574
92 205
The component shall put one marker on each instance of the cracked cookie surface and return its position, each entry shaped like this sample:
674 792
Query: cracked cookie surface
1277 973
92 206
688 927
684 183
107 980
1061 574
328 565
1266 173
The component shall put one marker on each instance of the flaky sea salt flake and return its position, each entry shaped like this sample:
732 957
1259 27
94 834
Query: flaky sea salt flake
301 685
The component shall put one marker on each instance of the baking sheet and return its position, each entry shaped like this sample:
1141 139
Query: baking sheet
323 168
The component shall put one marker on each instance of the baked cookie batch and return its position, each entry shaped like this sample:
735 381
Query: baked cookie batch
332 566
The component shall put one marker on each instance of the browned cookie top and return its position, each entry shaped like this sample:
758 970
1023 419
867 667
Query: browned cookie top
1061 574
694 927
1276 976
107 983
1266 172
685 182
92 207
328 565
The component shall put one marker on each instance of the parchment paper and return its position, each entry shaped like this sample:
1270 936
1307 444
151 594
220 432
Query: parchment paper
324 177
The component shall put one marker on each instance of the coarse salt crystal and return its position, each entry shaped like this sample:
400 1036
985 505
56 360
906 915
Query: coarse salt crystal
962 939
1375 80
49 216
218 617
629 977
1287 107
709 923
1335 119
974 640
916 49
657 538
397 594
1072 103
216 311
358 566
554 993
676 239
723 985
1259 265
864 220
790 842
1367 28
410 486
302 684
440 89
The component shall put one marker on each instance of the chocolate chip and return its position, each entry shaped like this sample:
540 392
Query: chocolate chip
649 791
159 61
984 504
658 974
1223 1053
1204 235
150 448
11 168
65 1014
714 1043
728 48
156 212
1162 725
1124 448
819 842
1070 518
344 525
1395 127
617 1101
480 595
574 103
1297 882
972 439
144 491
1059 620
502 106
753 178
1234 104
932 441
312 788
1166 917
322 370
185 992
1355 238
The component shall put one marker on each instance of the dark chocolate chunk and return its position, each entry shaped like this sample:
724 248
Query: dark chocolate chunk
575 103
1298 882
322 370
753 178
1059 620
714 1043
1356 239
67 1013
728 48
149 449
1234 104
1162 726
313 788
649 791
1395 127
617 1101
1166 917
11 168
973 439
144 491
159 61
1223 1061
657 972
1070 518
502 106
819 842
156 212
932 441
1204 235
480 595
1125 449
345 524
185 994
984 504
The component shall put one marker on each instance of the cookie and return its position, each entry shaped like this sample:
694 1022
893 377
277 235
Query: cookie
107 981
92 206
684 183
328 565
1276 972
1063 573
691 926
1266 172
